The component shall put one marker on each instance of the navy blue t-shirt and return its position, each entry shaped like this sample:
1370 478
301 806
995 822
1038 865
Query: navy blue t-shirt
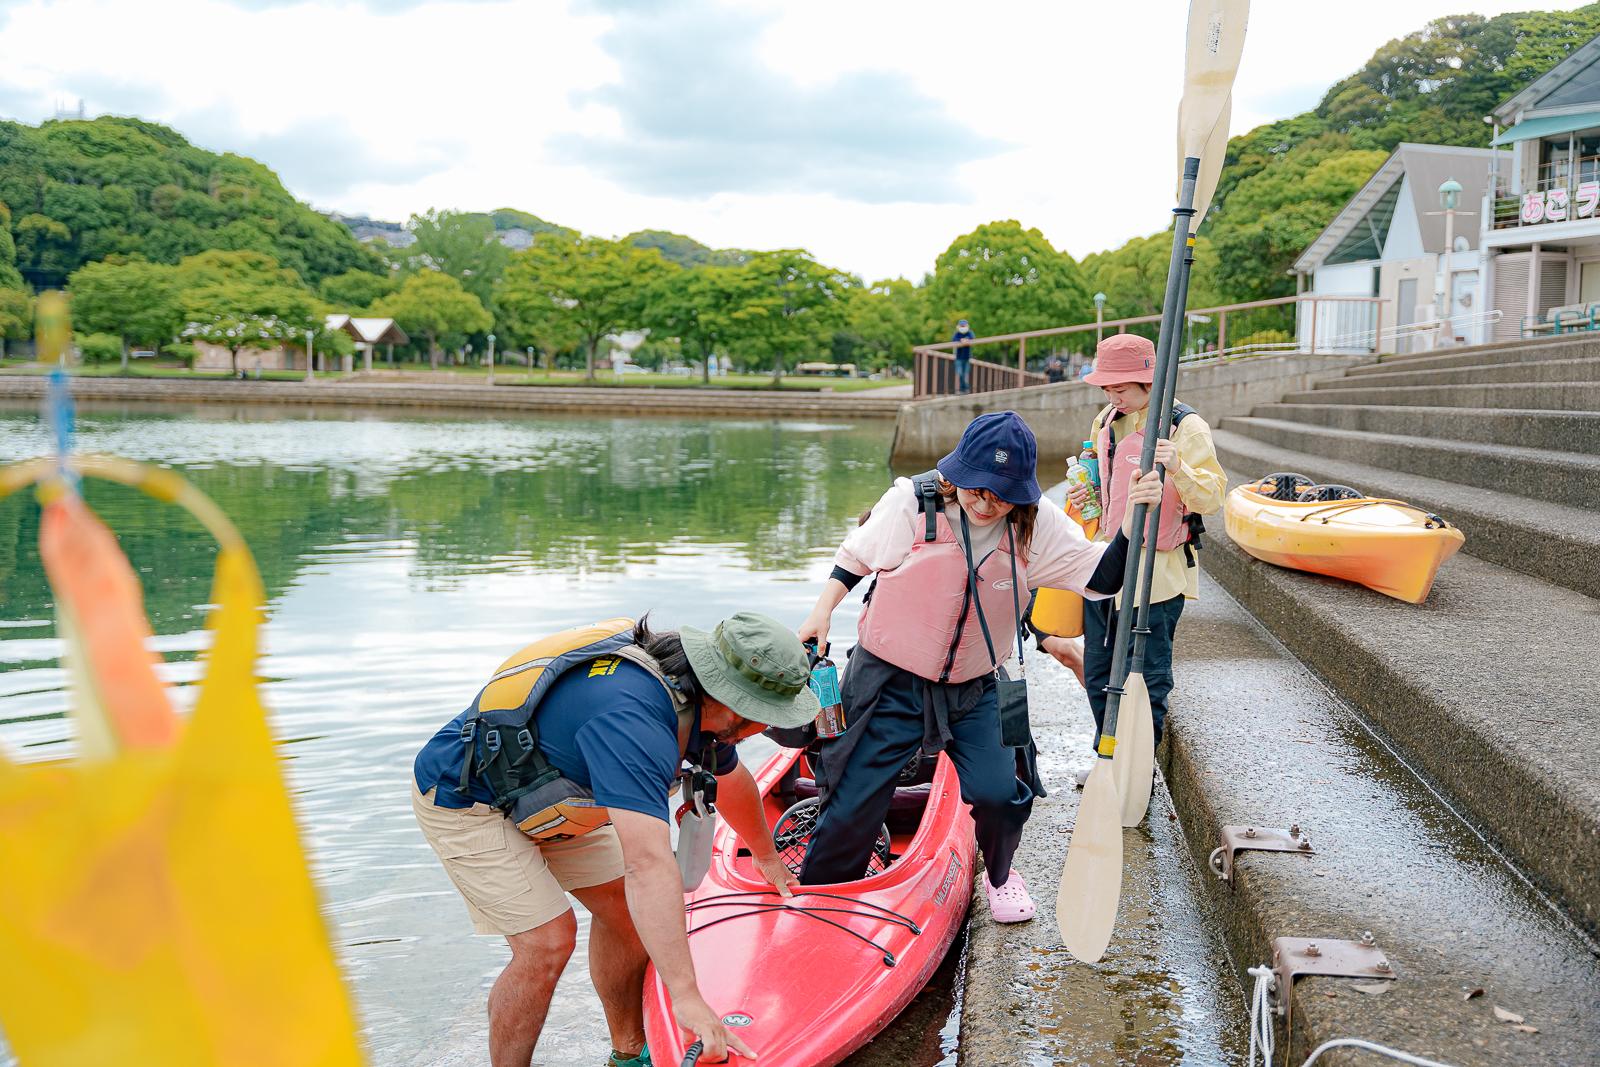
963 351
608 724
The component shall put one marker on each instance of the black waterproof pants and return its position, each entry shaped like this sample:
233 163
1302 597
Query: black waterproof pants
855 808
1100 631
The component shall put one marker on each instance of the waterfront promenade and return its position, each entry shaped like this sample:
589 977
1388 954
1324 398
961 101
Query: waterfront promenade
613 400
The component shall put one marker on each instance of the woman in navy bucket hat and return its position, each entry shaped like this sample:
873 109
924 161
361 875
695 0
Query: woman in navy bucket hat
953 554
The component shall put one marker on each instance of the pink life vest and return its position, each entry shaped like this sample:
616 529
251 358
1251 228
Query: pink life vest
1116 475
920 616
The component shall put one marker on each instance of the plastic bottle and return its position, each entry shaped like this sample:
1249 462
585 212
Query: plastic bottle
825 683
1078 474
1091 459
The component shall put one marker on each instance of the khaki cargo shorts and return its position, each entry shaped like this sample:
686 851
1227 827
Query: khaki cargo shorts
511 883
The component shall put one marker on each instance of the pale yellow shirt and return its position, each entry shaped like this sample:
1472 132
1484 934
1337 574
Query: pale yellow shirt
1201 485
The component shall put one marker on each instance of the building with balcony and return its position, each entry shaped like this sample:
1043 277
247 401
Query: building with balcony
1541 223
1391 242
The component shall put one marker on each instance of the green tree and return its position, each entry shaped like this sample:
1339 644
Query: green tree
434 305
591 286
99 347
123 186
884 321
135 301
237 315
16 316
1005 279
9 278
462 245
699 308
356 290
795 311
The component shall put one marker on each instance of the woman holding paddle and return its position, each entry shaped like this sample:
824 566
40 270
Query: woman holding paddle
953 554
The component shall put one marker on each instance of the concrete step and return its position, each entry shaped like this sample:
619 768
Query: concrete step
1578 347
1255 739
1486 690
1560 370
1540 396
1562 431
1563 477
1552 541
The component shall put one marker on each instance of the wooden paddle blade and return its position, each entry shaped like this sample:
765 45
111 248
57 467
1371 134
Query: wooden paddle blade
1134 763
1211 159
1211 60
1091 878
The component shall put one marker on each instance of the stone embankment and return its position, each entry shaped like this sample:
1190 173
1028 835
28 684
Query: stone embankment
1444 757
1060 414
480 398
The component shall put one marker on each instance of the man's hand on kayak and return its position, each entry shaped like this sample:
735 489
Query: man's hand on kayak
777 874
697 1018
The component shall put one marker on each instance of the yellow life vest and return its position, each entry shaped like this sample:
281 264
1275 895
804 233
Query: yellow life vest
501 735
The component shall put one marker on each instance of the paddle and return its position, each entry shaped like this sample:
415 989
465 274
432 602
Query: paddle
691 1055
1091 877
1216 38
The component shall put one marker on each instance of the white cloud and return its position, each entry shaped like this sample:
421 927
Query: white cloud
391 108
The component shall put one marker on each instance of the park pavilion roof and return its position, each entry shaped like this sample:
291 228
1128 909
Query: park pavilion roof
369 331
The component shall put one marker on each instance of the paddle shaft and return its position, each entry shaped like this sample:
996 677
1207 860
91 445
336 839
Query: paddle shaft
691 1055
1166 353
1161 401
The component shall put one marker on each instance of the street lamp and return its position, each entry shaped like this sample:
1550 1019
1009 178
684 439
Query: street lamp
1099 315
1449 197
489 356
310 334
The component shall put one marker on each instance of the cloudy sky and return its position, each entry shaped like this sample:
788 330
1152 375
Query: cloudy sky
871 132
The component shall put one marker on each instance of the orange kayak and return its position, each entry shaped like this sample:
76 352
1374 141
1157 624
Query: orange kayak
1390 546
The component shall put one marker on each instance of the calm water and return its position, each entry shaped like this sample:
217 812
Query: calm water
404 558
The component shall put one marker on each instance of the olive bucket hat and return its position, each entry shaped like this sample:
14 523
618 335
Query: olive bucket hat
756 666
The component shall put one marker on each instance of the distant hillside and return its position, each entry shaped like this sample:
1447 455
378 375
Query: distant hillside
1286 180
686 251
78 191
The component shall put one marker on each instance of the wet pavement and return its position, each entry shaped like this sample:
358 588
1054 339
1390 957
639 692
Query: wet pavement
1258 740
1163 994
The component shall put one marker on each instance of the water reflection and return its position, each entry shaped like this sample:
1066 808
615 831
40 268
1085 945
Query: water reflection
404 558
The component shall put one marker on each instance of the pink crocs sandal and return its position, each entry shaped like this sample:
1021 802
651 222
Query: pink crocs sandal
1010 903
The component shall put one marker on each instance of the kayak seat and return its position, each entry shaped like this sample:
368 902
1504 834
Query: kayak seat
792 836
905 807
1317 494
1283 485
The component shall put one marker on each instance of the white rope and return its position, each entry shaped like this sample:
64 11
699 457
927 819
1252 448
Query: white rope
1261 1036
1356 1042
1261 1015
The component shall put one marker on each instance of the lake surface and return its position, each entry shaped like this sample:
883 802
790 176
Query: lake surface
404 558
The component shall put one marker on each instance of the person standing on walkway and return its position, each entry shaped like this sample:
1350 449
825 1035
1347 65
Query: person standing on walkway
555 781
1124 368
952 554
963 356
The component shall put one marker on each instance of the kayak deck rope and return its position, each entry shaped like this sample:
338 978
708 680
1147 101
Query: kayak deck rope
752 904
1261 1034
1334 510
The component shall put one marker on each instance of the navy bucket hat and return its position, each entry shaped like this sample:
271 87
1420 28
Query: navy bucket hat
998 453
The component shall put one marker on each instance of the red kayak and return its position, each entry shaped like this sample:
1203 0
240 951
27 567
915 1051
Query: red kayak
808 980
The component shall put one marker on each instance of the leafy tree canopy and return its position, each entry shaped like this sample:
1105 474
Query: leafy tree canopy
356 290
686 251
1005 279
136 300
586 288
79 191
434 305
462 245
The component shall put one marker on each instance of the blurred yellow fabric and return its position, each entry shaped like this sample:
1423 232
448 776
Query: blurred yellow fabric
155 906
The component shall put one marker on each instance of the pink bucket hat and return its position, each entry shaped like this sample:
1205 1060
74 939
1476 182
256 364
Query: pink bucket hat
1123 357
